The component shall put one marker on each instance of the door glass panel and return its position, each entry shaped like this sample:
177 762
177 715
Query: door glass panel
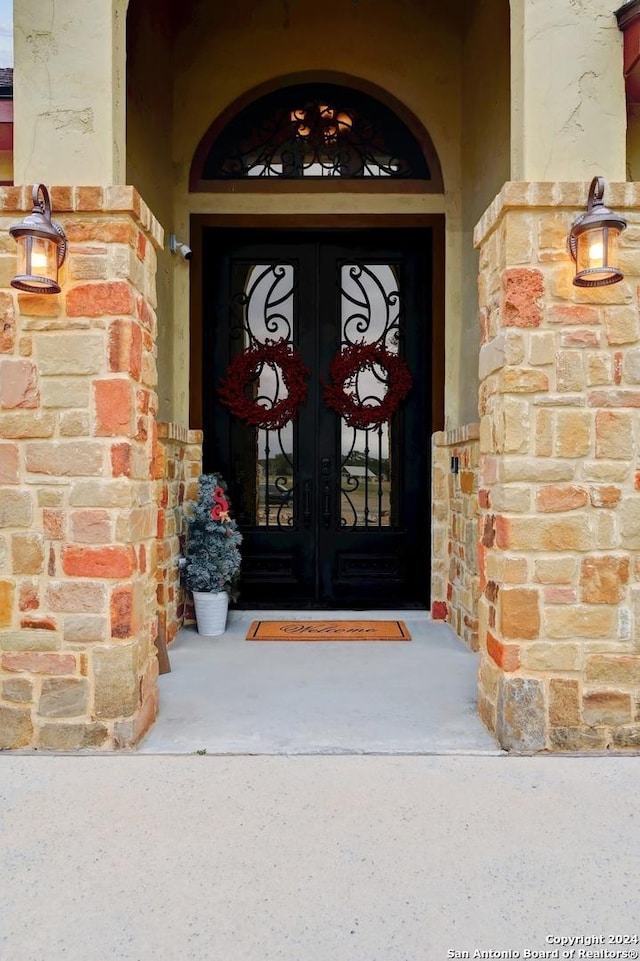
370 314
264 310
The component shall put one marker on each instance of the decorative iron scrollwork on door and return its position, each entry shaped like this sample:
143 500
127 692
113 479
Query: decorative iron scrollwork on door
263 387
371 381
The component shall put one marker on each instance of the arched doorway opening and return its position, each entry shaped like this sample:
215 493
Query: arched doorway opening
335 508
317 127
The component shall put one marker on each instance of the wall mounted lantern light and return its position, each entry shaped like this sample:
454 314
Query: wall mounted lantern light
42 247
593 241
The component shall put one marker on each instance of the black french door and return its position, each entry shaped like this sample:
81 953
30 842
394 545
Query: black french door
332 515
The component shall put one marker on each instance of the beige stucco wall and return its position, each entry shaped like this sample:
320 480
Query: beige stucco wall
568 99
69 91
485 167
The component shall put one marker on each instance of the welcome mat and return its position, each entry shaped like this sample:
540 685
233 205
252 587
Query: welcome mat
328 631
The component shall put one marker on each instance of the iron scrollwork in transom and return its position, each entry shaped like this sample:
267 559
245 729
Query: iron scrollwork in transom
315 131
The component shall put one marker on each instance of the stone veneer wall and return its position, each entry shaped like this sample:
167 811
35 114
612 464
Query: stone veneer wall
454 562
177 468
78 519
559 478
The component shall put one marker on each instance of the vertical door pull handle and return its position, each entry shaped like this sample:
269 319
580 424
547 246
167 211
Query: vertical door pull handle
325 469
306 503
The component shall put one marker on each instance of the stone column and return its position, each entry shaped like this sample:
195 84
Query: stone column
568 109
177 467
69 91
559 616
78 518
454 543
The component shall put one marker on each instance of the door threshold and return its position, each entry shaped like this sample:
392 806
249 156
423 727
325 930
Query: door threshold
341 611
323 608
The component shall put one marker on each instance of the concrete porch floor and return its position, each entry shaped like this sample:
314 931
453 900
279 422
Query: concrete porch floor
226 695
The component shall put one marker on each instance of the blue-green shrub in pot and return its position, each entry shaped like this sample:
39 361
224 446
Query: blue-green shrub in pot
212 554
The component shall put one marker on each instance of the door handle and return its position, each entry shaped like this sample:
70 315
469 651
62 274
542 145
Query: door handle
238 496
306 503
325 470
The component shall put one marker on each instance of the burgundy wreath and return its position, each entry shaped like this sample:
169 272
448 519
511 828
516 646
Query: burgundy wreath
246 366
344 369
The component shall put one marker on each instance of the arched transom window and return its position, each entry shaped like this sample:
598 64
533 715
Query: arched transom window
314 131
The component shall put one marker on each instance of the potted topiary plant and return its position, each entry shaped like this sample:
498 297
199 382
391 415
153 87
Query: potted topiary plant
212 557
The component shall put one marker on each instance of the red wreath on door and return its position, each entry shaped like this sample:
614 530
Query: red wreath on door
243 370
344 369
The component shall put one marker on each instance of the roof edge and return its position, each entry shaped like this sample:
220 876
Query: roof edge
628 13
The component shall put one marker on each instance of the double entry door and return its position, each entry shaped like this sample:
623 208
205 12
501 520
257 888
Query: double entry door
334 513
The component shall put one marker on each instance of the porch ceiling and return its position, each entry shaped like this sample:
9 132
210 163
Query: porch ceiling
459 13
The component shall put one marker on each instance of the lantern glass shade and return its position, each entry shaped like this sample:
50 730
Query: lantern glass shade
37 264
596 257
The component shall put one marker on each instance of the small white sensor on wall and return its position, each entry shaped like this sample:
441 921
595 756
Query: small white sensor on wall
177 247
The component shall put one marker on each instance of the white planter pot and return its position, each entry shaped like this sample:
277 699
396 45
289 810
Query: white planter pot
211 612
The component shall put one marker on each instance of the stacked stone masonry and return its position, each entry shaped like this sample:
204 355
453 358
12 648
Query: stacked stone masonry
176 470
559 479
78 517
454 546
